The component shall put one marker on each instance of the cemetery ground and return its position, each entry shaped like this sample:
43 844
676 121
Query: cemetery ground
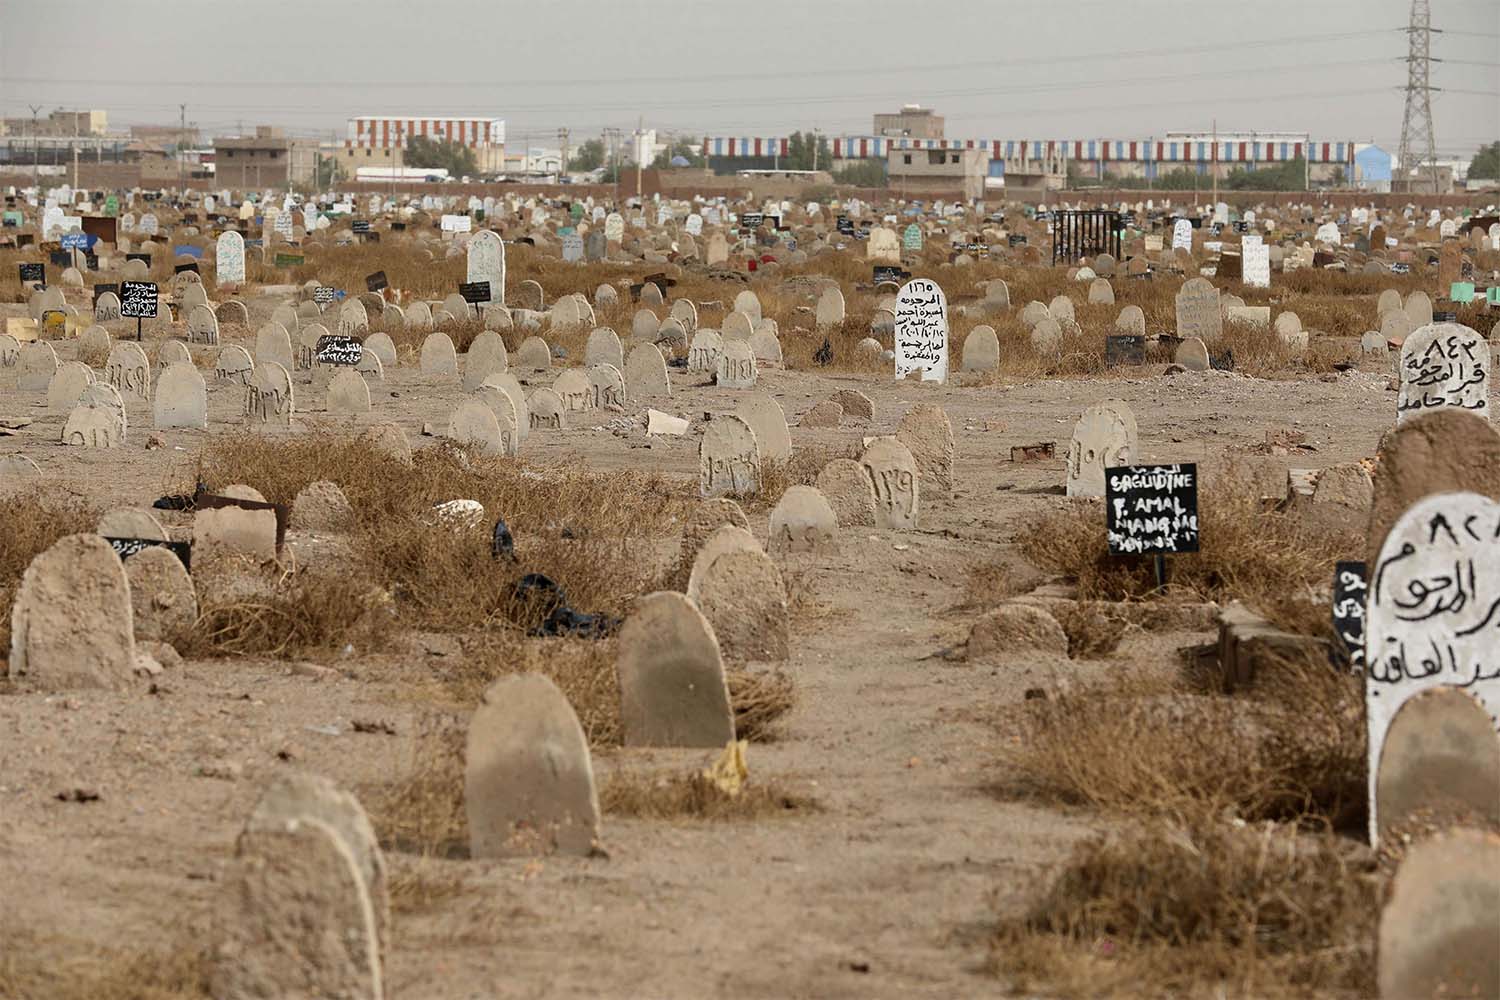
946 796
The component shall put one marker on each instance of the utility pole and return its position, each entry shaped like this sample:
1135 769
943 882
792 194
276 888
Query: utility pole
181 138
1216 164
562 135
75 163
36 149
640 153
1416 122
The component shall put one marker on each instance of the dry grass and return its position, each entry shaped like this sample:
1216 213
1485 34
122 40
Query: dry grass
1294 751
691 796
1270 560
1204 909
35 519
423 883
1092 632
594 533
301 613
42 967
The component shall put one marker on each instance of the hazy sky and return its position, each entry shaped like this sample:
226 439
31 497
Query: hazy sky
995 68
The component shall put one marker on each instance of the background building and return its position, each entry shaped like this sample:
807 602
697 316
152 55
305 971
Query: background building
269 159
57 124
916 172
375 141
911 122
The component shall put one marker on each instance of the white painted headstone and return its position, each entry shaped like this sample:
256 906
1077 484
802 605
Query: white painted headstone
922 330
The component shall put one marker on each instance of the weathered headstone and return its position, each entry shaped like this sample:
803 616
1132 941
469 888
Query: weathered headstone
728 458
71 622
672 686
1104 437
922 331
1444 365
892 472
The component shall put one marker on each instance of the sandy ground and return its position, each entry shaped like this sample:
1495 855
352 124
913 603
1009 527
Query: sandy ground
886 891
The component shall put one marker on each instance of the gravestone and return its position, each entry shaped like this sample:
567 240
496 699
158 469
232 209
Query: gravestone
473 425
1419 310
274 344
36 363
804 521
486 262
830 311
229 259
686 313
1101 293
1443 365
847 487
1047 337
1440 924
268 397
348 393
736 366
95 424
295 796
643 325
1198 313
162 597
486 356
884 247
528 778
1131 321
728 458
646 373
438 355
546 411
533 355
295 917
603 348
606 387
508 406
1104 437
892 472
768 421
742 596
703 353
572 387
181 399
922 331
1429 624
1440 764
71 620
928 435
64 388
381 346
981 350
672 686
354 319
736 326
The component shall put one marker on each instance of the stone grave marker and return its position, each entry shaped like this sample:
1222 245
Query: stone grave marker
438 355
71 619
672 686
162 596
1440 924
736 366
928 435
274 344
67 384
742 595
804 521
768 421
546 410
1198 313
1444 365
728 458
528 778
892 472
268 396
486 356
181 399
36 363
646 373
922 331
603 348
1104 437
1433 591
486 262
703 353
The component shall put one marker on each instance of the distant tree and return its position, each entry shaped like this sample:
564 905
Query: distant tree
330 172
1288 176
1486 163
588 156
676 148
443 154
862 173
807 151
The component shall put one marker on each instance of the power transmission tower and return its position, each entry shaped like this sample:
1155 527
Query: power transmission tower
1416 123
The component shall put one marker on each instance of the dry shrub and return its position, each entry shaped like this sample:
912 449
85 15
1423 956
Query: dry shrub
1092 632
986 584
46 967
421 884
592 532
692 796
1266 558
1293 750
35 520
1202 909
759 699
422 812
305 612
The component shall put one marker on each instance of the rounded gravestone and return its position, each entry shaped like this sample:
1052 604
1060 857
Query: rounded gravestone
802 521
1439 931
438 355
728 458
528 778
892 472
846 487
672 686
533 354
162 596
71 621
742 596
928 435
646 373
981 350
768 421
1440 760
486 356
